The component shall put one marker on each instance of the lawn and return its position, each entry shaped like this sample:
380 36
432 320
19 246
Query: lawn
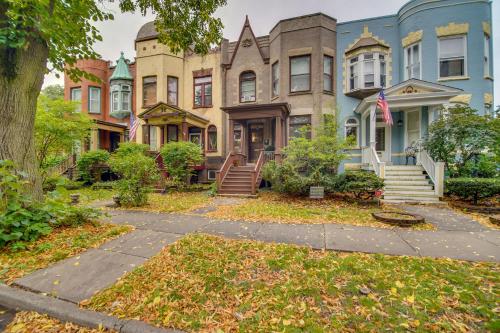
28 322
88 195
175 202
209 284
60 244
272 207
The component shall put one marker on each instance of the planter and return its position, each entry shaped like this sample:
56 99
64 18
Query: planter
401 219
116 200
476 208
75 198
495 219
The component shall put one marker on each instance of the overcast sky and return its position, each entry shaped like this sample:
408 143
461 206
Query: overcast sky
119 34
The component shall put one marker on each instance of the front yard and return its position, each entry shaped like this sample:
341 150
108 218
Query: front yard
209 284
61 243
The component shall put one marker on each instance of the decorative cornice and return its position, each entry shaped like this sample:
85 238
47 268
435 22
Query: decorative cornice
412 38
452 29
487 28
488 99
462 99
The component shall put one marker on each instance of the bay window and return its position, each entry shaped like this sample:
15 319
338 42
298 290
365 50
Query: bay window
202 92
412 58
367 71
94 100
148 90
327 73
247 87
120 106
300 73
452 59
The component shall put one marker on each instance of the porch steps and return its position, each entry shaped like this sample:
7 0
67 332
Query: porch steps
408 184
237 182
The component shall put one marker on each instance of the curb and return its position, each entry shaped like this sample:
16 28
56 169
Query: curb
19 299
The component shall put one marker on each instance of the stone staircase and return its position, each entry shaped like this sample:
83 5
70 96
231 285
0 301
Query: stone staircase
408 183
238 181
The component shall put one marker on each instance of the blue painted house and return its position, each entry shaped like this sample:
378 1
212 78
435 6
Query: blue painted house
431 54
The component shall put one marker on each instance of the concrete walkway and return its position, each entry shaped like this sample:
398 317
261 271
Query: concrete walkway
78 278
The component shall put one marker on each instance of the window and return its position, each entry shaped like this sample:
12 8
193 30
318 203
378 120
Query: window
328 73
351 128
172 133
367 71
195 136
381 58
412 62
275 79
94 100
125 97
211 174
247 87
299 124
353 74
486 56
300 73
115 100
203 92
212 138
76 96
148 90
152 138
452 56
172 92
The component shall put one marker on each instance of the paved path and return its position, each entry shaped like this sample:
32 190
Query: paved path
78 278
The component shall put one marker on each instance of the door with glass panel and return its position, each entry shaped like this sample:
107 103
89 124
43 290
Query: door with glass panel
412 127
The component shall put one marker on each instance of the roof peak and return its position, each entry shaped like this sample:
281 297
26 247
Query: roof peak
121 71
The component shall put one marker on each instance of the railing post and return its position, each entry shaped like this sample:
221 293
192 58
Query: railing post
382 170
439 175
253 182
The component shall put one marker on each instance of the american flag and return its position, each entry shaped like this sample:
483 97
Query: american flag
133 127
382 104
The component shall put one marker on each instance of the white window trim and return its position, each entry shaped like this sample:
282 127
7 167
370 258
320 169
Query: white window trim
487 52
465 75
405 56
361 70
90 100
352 125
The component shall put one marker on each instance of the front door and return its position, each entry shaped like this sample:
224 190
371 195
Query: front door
383 142
255 140
412 127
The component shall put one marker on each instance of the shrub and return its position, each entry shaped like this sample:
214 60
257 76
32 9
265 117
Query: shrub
362 184
53 182
138 172
486 166
21 219
473 188
127 148
87 165
180 158
285 179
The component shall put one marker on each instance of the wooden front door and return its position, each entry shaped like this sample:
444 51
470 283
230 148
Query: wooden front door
255 140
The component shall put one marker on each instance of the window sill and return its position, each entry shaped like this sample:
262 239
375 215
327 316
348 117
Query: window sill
247 102
488 78
202 107
453 78
327 92
274 98
296 93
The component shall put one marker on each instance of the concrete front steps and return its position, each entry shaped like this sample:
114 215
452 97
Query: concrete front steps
408 183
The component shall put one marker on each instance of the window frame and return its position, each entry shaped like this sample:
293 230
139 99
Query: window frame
89 99
176 90
290 76
407 63
326 56
254 79
203 85
144 105
79 106
211 130
275 79
356 126
302 124
487 58
359 66
464 45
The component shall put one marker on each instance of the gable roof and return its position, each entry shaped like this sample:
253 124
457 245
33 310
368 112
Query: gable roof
162 109
266 38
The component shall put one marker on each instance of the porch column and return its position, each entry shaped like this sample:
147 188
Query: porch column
278 134
373 125
231 136
185 131
94 139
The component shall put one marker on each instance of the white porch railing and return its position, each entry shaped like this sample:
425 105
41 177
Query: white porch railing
435 170
369 156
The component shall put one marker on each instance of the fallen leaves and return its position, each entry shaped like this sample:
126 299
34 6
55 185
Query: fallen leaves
210 284
174 202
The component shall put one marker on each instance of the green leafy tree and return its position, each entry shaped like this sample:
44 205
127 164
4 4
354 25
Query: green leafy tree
58 127
180 159
54 91
88 165
459 135
41 35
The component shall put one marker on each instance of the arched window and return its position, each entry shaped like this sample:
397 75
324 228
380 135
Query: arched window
212 138
352 128
247 87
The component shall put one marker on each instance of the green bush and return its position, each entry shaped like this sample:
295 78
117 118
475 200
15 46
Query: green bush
362 184
88 161
137 172
180 158
487 166
127 148
473 188
22 219
285 179
53 182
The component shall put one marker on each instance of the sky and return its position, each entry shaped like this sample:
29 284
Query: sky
119 35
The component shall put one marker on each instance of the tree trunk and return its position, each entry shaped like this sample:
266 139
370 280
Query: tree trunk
21 78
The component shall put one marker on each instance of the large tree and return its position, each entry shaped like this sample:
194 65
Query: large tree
41 35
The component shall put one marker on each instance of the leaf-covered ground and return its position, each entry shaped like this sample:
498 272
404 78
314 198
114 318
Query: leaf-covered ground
272 207
32 322
209 284
175 202
60 244
88 195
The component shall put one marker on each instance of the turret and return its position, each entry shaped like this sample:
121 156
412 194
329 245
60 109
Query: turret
121 90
